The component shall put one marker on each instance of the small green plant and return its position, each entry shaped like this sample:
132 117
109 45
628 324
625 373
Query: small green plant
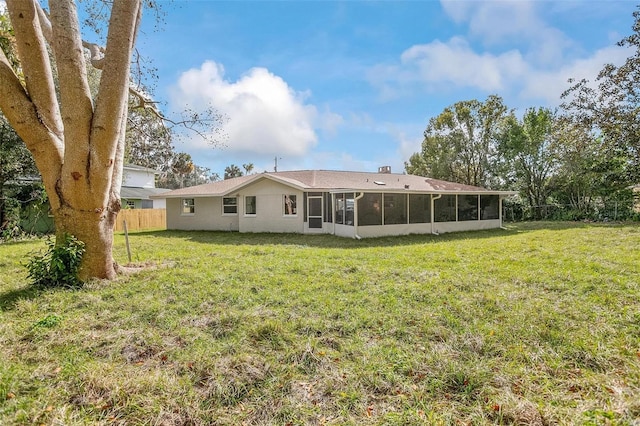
58 265
49 321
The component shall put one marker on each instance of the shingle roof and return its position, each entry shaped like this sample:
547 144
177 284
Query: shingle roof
330 180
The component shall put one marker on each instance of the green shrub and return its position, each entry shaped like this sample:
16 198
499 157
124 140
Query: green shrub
58 265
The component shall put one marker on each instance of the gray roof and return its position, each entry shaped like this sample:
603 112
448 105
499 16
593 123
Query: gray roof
332 181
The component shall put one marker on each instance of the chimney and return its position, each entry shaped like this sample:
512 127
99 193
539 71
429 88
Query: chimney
384 169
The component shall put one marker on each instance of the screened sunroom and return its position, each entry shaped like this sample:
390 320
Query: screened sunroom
391 213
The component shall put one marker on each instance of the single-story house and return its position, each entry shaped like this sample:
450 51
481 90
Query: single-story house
347 204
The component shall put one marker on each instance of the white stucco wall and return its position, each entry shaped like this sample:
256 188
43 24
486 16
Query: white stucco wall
160 203
207 217
387 230
270 215
345 231
472 225
138 178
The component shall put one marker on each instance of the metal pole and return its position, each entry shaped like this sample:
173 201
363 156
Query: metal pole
126 238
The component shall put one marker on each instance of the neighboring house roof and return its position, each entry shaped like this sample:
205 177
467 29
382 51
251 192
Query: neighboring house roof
331 181
131 193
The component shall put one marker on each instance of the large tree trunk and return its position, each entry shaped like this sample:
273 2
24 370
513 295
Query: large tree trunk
78 146
95 229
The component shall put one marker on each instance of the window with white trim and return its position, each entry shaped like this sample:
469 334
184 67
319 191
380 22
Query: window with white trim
229 205
289 205
250 205
188 206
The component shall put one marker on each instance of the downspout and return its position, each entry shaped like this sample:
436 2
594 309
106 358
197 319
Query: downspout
433 198
355 216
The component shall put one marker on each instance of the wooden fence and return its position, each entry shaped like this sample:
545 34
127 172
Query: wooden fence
142 219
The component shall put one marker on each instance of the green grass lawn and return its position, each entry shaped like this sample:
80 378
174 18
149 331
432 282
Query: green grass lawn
538 324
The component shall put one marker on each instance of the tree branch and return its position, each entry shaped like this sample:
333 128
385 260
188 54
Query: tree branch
75 97
34 58
111 104
46 147
96 54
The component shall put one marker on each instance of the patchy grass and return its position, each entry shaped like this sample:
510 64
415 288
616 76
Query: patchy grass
534 325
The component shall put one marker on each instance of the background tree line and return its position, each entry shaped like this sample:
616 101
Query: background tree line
579 161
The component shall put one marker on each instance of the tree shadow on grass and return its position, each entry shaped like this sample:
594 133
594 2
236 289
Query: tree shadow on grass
9 299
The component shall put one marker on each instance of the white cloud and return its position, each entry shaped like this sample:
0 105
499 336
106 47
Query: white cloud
455 62
494 20
500 22
266 116
519 56
548 85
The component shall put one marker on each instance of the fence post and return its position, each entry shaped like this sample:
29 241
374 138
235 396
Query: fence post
126 238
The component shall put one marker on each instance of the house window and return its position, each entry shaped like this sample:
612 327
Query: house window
289 205
370 209
250 205
188 206
444 209
467 207
229 205
395 209
129 204
489 207
419 208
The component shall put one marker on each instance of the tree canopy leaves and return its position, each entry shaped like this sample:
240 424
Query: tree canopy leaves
460 144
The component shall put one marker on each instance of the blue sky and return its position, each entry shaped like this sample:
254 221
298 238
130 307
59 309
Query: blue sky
351 85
